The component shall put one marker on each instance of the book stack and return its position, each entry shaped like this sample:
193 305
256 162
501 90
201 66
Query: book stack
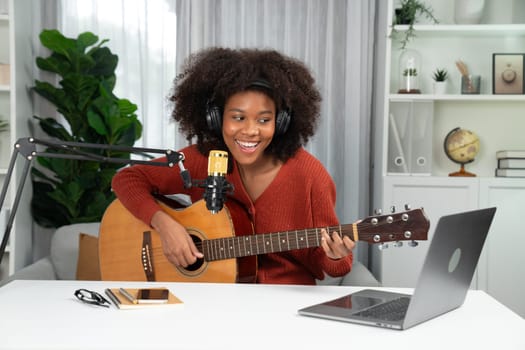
510 164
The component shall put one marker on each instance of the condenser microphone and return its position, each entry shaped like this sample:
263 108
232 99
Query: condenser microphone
216 184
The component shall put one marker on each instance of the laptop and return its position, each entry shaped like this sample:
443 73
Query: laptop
442 285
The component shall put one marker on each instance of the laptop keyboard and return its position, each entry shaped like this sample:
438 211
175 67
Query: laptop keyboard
393 310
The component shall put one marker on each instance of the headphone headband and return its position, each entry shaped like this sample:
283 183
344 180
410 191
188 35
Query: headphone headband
261 83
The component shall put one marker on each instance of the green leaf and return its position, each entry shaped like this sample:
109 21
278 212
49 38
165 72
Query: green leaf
68 196
43 178
80 88
106 62
54 63
55 41
86 40
54 128
52 94
97 123
126 107
46 211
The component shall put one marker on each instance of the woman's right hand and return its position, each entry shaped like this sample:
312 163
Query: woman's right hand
177 245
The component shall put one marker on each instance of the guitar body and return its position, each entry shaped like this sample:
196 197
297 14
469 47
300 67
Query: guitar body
130 250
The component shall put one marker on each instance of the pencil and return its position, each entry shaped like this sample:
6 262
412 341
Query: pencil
128 296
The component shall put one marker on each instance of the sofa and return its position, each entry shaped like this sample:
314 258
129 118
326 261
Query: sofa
71 257
61 263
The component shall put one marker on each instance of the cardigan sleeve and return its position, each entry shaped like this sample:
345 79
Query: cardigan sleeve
323 200
134 185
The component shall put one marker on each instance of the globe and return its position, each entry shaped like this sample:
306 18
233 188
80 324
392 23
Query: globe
461 146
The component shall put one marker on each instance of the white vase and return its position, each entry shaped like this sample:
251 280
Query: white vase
440 87
469 11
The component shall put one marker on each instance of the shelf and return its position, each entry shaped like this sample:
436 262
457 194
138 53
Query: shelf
5 88
4 17
452 97
463 30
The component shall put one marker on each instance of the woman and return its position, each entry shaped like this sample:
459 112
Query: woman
261 107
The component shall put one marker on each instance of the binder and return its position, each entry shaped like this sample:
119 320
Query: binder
410 137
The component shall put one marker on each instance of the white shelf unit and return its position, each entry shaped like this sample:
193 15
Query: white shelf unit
15 106
498 120
440 46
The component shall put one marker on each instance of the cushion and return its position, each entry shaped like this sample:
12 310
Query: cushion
64 248
358 276
88 268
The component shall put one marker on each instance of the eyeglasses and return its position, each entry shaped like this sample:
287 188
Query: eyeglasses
90 297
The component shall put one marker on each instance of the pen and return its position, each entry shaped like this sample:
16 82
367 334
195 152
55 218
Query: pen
128 296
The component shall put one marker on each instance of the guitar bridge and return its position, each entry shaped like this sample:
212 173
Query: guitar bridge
147 256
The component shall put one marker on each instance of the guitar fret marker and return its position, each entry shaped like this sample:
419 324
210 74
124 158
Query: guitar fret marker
244 242
249 239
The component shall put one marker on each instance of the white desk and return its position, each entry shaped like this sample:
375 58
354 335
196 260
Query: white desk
45 314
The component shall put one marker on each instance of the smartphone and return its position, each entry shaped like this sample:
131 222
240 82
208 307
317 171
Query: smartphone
153 295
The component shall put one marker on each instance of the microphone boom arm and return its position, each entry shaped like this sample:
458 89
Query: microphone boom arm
27 148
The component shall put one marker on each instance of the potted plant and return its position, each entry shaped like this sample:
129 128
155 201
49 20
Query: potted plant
69 191
409 69
440 76
407 14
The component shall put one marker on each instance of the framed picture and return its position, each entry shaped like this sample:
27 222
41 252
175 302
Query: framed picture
507 73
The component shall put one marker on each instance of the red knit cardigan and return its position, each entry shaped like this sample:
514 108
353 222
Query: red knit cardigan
302 195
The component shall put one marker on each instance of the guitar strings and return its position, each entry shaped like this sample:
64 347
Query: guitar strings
312 240
255 241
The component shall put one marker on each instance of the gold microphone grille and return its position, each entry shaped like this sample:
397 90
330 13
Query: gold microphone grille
217 163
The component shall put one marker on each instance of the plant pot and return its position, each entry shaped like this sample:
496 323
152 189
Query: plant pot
440 87
401 18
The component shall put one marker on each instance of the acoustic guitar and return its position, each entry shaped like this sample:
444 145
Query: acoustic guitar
130 250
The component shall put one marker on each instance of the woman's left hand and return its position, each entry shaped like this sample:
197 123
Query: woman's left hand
334 246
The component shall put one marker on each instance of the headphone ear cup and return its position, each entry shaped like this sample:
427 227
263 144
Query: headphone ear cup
214 119
282 122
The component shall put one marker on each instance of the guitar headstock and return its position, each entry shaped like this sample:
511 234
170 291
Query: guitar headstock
411 225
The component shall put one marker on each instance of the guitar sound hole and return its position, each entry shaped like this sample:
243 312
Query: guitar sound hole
197 264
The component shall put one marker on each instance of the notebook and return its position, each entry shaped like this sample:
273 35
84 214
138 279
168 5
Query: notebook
442 285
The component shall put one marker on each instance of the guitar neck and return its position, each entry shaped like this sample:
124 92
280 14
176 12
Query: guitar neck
239 246
406 226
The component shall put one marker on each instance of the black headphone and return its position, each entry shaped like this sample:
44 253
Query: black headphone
214 114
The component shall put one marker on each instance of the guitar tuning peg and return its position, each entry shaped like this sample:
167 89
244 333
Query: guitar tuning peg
382 246
398 244
413 244
407 207
393 209
378 211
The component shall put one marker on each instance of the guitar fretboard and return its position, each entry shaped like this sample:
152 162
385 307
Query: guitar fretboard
239 246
